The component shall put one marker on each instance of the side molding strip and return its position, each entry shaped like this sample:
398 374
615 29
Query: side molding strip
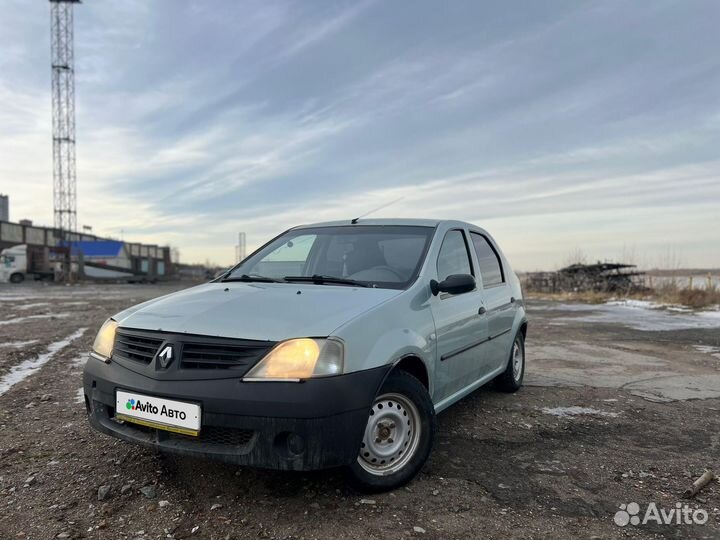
471 346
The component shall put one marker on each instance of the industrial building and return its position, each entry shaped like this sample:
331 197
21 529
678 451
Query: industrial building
61 251
100 255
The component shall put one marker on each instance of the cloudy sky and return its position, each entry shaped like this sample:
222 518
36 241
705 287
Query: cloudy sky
555 125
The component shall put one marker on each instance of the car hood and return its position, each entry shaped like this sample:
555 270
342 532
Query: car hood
263 311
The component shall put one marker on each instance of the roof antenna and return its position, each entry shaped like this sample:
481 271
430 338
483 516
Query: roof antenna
354 221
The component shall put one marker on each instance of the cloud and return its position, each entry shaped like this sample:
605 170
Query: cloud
556 126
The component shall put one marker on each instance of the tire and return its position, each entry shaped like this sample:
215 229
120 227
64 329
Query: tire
402 400
511 379
17 277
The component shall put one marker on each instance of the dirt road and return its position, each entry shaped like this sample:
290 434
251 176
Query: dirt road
622 405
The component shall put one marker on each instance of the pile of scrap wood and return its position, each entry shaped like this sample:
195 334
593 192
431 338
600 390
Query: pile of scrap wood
599 277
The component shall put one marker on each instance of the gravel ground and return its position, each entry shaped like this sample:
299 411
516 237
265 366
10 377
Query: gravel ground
610 415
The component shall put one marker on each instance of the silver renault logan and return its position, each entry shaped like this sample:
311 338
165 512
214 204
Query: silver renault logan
334 344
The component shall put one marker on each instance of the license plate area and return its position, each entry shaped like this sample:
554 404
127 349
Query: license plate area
159 413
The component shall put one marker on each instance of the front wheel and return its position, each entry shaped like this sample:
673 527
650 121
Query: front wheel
17 277
398 436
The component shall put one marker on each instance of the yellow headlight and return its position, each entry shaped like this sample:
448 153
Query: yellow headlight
300 359
103 345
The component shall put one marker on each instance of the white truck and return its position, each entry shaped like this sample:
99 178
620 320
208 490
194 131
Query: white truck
23 262
18 263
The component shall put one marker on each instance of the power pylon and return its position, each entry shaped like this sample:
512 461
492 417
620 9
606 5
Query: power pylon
63 114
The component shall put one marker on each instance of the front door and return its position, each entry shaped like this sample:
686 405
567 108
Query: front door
461 330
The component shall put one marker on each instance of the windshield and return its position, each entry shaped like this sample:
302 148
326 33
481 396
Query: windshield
386 256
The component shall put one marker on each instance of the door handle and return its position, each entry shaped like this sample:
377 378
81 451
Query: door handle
512 299
482 310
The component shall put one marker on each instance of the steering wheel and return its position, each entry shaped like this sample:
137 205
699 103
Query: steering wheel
377 273
391 270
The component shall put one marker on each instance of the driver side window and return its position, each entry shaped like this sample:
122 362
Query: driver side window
454 257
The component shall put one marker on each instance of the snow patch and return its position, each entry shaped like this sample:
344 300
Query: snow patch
568 412
647 304
639 304
15 297
23 370
18 320
708 349
80 361
32 305
640 315
80 396
17 344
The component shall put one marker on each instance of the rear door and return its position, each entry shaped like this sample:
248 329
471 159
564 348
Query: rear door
499 303
460 330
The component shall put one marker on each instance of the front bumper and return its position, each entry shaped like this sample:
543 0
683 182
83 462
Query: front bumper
315 424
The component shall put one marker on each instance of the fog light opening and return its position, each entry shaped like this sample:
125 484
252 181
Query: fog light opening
289 445
295 444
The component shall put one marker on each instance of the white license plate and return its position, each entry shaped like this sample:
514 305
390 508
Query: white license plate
159 413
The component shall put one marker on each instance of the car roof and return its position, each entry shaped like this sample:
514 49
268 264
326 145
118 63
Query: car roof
391 221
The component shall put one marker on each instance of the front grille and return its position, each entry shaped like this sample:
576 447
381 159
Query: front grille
135 347
190 352
209 356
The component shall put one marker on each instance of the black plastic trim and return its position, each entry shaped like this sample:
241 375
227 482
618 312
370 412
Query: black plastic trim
461 350
328 413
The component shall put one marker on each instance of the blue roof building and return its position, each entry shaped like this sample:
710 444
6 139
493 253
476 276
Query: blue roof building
102 249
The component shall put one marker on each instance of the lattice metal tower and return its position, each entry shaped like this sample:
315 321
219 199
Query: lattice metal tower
63 114
240 250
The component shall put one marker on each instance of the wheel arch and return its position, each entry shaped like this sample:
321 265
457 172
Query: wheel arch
415 366
523 328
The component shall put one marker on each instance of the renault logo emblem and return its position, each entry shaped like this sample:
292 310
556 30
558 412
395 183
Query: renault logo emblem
165 356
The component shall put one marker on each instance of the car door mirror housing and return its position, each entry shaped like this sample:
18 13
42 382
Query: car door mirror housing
454 284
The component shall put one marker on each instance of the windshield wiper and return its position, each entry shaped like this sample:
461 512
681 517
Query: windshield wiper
254 277
319 279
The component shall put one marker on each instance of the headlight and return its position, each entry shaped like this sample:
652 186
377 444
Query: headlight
297 359
103 345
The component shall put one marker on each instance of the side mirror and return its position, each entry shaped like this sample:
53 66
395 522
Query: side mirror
454 284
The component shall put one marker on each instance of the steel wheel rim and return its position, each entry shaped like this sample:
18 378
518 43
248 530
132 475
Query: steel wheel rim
518 359
391 436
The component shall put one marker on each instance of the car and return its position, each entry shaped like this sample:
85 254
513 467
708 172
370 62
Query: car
333 345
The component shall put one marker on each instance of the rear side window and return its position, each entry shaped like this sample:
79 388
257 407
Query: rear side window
488 260
454 257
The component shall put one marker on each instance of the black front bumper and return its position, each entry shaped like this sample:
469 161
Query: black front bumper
313 424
